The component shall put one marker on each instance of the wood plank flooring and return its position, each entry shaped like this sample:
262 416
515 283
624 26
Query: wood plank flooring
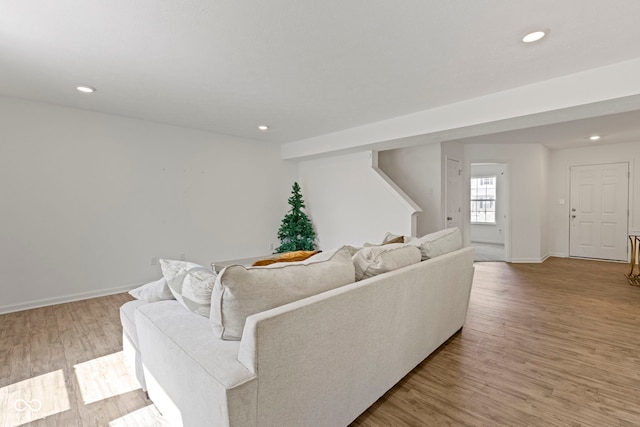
63 366
552 344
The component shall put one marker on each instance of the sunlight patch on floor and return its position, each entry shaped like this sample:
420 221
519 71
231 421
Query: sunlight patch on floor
147 416
104 377
33 399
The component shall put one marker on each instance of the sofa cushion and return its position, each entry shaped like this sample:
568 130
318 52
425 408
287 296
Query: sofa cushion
153 291
438 243
374 260
191 284
240 291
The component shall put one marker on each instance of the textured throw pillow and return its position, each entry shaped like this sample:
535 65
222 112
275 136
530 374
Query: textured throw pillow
390 238
438 243
286 257
153 291
191 284
240 292
375 260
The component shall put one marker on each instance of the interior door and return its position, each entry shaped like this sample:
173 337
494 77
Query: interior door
599 211
453 194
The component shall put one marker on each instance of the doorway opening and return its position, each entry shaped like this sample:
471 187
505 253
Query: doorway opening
489 206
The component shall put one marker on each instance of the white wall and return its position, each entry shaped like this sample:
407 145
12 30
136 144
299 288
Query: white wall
491 233
527 194
417 171
421 172
88 199
559 184
348 203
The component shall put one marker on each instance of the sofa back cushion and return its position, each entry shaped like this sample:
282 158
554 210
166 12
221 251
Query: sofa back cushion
374 260
438 243
242 291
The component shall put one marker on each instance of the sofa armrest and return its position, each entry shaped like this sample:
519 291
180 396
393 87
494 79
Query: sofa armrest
192 376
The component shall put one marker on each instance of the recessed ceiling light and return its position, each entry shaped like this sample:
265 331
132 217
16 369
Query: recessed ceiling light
534 36
85 89
263 127
594 137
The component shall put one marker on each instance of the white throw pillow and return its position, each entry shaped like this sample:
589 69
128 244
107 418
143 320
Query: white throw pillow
374 260
191 284
241 291
153 291
438 243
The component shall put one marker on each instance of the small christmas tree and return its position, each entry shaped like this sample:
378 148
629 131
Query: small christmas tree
296 231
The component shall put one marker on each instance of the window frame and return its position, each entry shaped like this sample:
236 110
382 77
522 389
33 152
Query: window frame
477 199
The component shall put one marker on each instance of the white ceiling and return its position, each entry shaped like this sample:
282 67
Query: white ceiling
304 67
612 129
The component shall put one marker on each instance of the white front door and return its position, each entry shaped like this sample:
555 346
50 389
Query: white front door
599 211
454 194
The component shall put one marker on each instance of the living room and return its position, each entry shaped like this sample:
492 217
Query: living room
98 187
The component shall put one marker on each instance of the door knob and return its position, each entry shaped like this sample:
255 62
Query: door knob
573 216
449 218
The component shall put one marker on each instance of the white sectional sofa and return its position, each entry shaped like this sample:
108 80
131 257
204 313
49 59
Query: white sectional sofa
317 361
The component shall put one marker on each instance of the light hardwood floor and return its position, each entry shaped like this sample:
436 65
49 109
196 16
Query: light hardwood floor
552 344
63 366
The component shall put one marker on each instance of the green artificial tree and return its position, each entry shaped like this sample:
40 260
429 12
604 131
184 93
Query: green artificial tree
296 231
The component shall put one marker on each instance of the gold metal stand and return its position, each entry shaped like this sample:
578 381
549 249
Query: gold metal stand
632 277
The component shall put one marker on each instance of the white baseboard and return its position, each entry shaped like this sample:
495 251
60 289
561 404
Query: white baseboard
4 309
559 254
527 260
530 260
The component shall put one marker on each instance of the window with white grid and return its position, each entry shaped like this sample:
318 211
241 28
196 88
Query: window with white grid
483 200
